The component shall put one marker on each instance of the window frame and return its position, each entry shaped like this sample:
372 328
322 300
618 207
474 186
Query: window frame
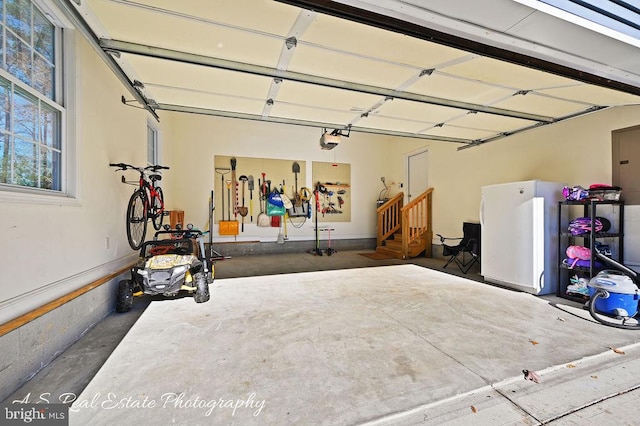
65 103
584 14
152 128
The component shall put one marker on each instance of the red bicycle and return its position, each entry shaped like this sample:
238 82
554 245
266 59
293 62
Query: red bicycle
146 202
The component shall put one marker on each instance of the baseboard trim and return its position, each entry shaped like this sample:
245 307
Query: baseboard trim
48 307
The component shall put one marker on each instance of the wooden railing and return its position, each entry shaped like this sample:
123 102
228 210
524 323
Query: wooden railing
389 217
413 220
417 222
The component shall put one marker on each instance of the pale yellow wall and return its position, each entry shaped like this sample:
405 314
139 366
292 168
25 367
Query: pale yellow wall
576 152
196 139
49 249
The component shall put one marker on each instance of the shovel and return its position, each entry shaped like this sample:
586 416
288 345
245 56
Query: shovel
228 227
296 169
263 219
242 210
251 197
234 186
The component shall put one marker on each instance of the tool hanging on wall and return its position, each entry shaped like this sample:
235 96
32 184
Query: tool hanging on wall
263 219
228 227
234 185
222 171
285 219
296 169
251 186
304 208
228 182
242 210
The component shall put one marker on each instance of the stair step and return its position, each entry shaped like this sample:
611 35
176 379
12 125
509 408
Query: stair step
418 242
390 252
395 245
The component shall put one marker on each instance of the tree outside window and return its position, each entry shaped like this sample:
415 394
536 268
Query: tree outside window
30 137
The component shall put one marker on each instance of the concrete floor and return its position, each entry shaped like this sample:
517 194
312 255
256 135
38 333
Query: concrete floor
390 351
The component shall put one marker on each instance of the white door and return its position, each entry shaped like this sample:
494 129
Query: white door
418 173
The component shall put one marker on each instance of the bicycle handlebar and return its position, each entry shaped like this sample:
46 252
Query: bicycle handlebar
156 168
124 166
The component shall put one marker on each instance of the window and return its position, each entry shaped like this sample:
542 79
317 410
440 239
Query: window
152 144
31 114
619 19
618 15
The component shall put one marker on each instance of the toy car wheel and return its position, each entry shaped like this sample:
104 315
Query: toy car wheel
202 288
125 296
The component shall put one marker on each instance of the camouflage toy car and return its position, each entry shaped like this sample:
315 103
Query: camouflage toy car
168 266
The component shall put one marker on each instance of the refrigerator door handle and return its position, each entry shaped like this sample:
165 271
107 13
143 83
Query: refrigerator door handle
541 281
482 211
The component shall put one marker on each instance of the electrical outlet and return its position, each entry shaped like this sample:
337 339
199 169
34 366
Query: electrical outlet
106 243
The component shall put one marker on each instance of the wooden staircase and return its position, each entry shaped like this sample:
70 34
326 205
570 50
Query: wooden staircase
405 231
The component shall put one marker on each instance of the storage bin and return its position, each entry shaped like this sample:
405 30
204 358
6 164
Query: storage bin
612 194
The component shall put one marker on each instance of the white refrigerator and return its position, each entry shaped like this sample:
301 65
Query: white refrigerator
519 245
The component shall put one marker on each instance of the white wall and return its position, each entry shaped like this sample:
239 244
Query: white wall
51 247
577 152
197 139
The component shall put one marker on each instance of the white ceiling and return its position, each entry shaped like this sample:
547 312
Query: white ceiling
529 27
265 60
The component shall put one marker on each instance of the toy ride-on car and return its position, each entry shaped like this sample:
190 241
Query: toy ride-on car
168 266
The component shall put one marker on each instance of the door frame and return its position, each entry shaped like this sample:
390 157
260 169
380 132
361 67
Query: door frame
407 156
615 158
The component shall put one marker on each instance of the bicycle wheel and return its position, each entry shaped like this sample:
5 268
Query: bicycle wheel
157 209
136 220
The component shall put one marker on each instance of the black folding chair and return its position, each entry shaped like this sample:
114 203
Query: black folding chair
467 252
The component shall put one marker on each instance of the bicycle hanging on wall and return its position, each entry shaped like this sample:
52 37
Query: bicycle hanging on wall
146 202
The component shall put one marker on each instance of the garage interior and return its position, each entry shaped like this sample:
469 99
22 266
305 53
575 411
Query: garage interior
490 97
